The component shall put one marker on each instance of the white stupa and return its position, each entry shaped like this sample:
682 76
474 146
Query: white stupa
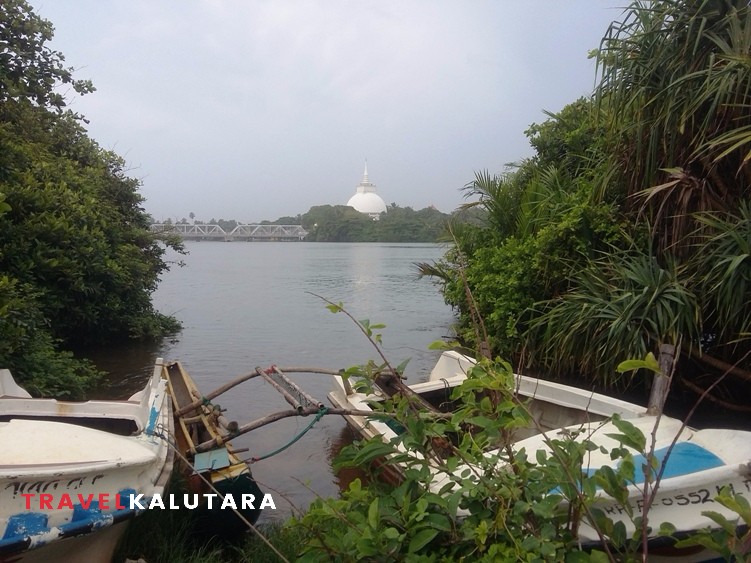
366 200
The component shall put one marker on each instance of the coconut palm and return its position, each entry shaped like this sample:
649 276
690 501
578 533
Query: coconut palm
499 196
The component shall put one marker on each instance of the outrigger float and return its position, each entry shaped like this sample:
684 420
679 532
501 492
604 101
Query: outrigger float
203 440
73 473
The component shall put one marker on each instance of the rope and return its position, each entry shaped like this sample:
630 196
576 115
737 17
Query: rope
446 389
321 412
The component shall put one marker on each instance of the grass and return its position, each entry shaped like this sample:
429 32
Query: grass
175 536
170 536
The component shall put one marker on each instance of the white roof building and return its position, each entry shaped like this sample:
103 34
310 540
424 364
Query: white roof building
366 200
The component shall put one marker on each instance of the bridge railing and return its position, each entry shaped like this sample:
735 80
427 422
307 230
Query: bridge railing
240 232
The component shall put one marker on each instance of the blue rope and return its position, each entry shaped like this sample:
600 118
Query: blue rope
319 416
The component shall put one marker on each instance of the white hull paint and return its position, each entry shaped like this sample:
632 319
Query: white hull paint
701 463
67 469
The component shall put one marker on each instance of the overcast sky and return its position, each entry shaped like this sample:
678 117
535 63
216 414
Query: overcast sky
257 109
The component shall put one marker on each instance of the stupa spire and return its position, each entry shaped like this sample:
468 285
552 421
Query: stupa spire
366 200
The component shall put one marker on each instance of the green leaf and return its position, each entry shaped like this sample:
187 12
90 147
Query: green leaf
578 557
546 507
599 557
391 533
667 529
336 308
421 539
373 514
439 522
403 366
530 543
720 520
631 436
649 362
371 451
441 345
618 535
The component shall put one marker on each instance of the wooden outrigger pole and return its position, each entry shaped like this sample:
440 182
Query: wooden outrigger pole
268 419
237 381
301 402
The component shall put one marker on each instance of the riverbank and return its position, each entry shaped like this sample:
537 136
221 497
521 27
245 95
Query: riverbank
173 536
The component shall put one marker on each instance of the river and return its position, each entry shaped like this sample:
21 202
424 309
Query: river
244 305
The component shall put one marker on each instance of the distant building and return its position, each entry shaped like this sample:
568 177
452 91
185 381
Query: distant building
366 200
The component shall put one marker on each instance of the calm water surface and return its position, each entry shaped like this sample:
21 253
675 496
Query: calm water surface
249 304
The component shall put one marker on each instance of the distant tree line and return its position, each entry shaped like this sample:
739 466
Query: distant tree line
340 223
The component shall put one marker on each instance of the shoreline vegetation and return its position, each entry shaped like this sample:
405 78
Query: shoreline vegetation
626 236
340 223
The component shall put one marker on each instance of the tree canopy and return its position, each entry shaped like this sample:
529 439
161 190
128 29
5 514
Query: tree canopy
77 259
630 226
340 223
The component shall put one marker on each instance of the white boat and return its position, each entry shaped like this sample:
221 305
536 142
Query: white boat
68 470
552 405
699 464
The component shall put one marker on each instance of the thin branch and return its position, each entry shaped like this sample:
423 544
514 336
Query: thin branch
362 329
274 417
725 404
728 369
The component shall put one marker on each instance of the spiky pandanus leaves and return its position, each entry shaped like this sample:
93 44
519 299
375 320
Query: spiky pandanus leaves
623 306
499 196
724 260
676 83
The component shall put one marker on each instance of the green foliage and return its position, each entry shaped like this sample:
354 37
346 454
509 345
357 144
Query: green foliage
649 363
500 197
78 260
27 346
77 234
623 303
477 499
507 276
29 69
340 223
676 87
723 273
728 540
629 227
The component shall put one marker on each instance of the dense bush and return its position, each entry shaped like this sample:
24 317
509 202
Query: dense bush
77 258
641 190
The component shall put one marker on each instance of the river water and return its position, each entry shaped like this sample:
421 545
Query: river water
244 305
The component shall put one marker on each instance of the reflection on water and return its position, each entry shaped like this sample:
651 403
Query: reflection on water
128 367
244 305
345 475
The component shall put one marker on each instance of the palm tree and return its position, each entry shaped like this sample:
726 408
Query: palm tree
499 196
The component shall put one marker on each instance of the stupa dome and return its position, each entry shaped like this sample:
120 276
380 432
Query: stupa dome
366 200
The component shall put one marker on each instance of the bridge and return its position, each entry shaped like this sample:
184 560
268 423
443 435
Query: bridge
249 233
